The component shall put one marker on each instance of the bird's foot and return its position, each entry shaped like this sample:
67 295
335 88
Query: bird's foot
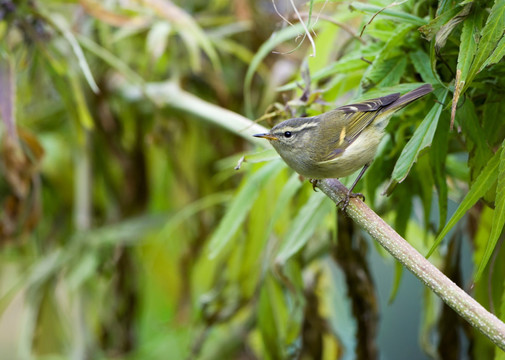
348 197
314 184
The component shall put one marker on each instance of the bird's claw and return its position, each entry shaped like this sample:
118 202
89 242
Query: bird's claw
314 184
348 197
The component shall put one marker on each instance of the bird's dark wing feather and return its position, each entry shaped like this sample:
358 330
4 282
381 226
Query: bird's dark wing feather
356 117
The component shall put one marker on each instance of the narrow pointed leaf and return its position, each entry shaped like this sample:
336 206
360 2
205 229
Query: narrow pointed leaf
498 216
401 16
240 206
446 29
468 45
265 49
491 34
379 68
467 49
421 139
498 53
431 29
304 225
484 181
421 62
61 24
438 154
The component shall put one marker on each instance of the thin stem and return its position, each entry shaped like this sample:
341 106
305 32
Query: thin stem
466 306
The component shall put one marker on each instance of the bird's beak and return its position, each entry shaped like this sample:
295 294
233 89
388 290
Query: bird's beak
266 136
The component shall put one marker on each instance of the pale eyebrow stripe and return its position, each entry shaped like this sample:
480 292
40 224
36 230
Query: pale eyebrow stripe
301 126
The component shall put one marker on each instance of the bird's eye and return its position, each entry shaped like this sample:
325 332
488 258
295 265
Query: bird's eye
287 134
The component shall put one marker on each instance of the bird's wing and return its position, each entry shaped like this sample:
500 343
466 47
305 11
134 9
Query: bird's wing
346 123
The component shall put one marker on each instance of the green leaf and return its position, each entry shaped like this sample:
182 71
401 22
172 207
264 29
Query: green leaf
271 313
111 59
421 139
192 209
380 66
490 35
498 216
477 145
438 153
444 32
468 44
344 65
125 232
396 282
421 62
484 181
61 24
494 108
467 49
431 29
400 16
498 53
304 225
81 106
241 204
394 73
285 196
264 50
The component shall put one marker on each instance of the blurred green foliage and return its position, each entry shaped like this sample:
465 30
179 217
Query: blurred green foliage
125 231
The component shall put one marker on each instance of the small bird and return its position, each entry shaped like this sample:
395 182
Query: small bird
339 142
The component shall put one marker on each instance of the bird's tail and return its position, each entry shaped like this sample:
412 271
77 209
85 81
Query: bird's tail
408 98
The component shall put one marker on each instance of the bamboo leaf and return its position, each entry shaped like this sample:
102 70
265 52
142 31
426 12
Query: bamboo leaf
271 313
498 53
421 139
61 24
431 29
490 35
379 66
444 32
393 75
400 16
479 188
421 62
344 65
265 49
304 225
468 45
477 143
396 282
83 113
192 209
438 154
241 204
111 59
494 108
498 216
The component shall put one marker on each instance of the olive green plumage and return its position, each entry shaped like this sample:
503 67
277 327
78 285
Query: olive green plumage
339 142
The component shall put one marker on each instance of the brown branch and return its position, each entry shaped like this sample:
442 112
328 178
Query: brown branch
401 250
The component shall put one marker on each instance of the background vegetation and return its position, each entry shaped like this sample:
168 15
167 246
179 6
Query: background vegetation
127 232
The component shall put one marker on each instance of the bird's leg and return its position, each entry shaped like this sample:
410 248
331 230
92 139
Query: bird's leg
350 194
314 184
